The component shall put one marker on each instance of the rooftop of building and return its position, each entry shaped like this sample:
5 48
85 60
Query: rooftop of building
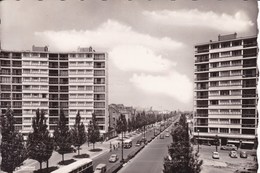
45 49
224 38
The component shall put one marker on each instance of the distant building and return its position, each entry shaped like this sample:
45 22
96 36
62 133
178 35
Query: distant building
225 95
73 81
115 110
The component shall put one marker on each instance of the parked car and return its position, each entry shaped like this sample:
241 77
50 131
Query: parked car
233 154
243 154
167 135
113 158
228 147
143 140
138 143
215 155
101 168
161 136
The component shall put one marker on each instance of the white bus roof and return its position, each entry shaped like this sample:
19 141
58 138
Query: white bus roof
72 166
128 140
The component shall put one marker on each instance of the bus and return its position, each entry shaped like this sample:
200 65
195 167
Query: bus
127 143
80 166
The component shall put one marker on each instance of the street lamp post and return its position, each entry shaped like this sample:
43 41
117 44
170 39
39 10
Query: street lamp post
122 146
198 140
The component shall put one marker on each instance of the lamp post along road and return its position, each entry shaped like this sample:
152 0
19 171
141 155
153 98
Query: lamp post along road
198 140
122 146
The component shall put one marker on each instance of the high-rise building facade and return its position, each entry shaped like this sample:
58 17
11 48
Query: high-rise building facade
51 81
225 90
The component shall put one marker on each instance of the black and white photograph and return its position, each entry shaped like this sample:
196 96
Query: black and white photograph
129 86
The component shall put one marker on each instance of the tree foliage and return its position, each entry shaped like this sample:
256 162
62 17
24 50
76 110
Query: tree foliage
13 151
62 136
40 145
121 125
93 131
181 158
78 133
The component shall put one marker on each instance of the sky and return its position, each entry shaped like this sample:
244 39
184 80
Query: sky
150 44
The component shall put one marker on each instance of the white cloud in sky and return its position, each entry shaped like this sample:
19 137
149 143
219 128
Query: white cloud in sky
130 51
173 84
193 17
107 35
139 58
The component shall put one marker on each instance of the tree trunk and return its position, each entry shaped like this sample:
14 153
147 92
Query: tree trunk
47 165
62 157
40 165
93 146
78 150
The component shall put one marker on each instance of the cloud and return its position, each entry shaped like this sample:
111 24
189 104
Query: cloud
174 84
139 58
129 49
195 18
107 35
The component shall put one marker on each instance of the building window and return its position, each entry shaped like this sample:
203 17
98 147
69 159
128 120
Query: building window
224 121
225 44
236 72
225 64
224 92
224 102
235 131
213 120
235 92
225 54
235 111
224 111
223 130
235 121
213 130
236 101
224 83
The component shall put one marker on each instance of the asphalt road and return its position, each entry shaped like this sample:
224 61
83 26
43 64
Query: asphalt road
105 157
150 159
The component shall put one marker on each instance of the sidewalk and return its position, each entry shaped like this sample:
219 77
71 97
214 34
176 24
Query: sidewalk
85 149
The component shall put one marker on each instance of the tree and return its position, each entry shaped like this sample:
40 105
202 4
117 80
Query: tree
78 133
93 131
62 136
40 145
13 151
181 158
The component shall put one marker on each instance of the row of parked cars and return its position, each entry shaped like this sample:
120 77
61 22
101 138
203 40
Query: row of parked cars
232 154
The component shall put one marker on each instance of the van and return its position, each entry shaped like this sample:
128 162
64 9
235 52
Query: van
101 168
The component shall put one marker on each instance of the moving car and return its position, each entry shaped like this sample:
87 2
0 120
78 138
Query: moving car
113 158
215 155
243 154
233 154
167 135
228 147
101 168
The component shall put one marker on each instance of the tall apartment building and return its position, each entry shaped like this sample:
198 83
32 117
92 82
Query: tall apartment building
74 81
225 94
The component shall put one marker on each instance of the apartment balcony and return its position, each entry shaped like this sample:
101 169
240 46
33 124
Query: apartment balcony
225 87
226 77
230 115
225 106
219 125
224 49
226 68
225 58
